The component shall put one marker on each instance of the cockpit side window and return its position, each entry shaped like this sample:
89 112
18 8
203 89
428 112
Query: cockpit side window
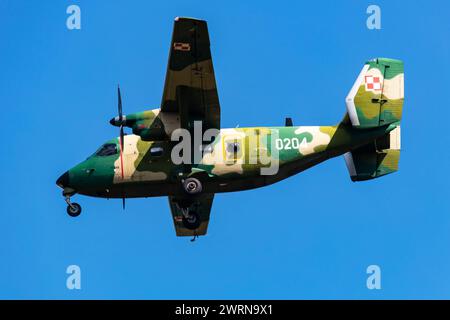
107 149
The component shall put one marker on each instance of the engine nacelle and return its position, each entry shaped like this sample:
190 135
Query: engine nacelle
151 124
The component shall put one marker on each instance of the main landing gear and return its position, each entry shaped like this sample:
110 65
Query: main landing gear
73 208
192 186
190 219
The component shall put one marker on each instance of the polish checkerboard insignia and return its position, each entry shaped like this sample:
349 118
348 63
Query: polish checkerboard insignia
373 83
180 46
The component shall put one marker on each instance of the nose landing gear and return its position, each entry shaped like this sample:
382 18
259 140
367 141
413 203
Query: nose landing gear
73 208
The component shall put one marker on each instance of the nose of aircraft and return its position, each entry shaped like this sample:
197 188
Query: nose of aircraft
63 180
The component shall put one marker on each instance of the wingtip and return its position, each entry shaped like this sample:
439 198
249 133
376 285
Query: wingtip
189 18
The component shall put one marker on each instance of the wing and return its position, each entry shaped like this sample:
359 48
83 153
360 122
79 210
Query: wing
202 206
190 86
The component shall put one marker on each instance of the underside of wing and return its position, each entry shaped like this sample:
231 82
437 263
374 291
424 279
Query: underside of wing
200 207
190 86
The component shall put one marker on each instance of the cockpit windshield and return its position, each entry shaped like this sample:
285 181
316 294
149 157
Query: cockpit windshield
108 149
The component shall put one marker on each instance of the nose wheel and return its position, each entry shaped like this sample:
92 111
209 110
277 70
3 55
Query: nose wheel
73 208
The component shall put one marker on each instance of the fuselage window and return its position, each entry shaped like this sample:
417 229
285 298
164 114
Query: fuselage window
156 151
233 150
233 147
108 149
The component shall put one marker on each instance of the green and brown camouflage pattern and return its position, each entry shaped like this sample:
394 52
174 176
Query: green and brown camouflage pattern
368 136
377 96
190 86
150 125
375 159
190 91
147 175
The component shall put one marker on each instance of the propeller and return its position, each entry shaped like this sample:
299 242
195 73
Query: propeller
121 139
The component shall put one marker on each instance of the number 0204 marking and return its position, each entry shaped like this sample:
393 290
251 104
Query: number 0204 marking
289 143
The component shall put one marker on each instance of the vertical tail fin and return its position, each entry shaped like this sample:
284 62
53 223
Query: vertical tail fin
376 98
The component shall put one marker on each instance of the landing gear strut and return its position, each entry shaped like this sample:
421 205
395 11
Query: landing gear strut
73 208
191 219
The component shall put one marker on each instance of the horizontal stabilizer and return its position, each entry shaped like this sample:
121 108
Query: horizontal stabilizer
375 159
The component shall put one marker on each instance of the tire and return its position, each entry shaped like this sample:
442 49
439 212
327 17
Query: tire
193 222
192 186
74 210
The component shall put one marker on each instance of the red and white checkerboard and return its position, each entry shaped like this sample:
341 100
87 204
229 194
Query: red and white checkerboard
180 46
373 83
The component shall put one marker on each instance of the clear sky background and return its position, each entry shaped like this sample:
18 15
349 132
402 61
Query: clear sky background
310 236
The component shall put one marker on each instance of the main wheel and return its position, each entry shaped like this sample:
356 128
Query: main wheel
74 209
192 186
192 222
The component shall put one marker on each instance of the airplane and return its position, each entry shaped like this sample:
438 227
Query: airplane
151 163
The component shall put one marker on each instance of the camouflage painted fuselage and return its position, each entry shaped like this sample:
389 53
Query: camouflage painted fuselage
161 159
287 150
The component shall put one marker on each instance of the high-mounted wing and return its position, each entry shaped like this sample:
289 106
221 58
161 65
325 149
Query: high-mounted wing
202 206
190 86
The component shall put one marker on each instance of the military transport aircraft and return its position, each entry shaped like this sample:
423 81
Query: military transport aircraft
146 163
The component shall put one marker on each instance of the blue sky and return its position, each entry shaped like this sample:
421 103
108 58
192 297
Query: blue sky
310 236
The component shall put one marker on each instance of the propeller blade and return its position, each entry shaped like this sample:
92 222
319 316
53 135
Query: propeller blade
119 102
121 139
